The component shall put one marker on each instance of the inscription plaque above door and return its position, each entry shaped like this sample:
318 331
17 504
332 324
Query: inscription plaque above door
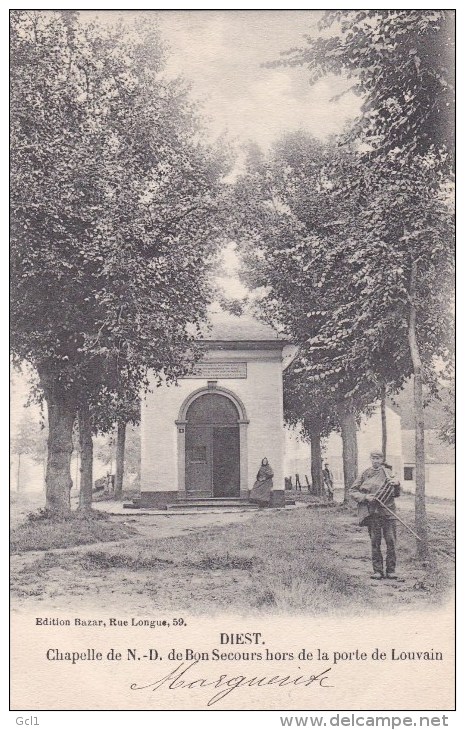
223 370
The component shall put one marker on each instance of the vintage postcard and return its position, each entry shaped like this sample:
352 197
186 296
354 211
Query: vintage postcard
232 389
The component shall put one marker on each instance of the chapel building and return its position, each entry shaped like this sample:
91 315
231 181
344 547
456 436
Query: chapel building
205 437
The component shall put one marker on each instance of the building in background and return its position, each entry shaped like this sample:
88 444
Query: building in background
440 457
369 437
439 466
298 452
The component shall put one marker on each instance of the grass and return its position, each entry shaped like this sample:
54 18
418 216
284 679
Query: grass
296 561
304 496
39 532
98 559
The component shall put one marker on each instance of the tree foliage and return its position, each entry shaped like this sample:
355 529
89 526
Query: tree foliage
29 439
402 64
110 194
305 243
446 430
116 208
334 243
297 213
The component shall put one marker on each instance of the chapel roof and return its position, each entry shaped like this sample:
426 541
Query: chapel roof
227 327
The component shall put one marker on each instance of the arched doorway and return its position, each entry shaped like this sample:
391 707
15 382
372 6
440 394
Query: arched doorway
212 447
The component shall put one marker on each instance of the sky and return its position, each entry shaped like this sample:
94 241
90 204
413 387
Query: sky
221 53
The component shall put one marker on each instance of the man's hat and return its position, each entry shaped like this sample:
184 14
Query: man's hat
376 452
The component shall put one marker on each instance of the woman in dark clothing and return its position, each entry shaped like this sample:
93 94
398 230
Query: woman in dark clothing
261 490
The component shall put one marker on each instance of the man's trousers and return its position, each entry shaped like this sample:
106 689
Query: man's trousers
383 527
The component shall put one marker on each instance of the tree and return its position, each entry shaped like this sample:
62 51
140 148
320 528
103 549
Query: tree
410 239
303 243
29 440
313 410
401 62
115 210
447 428
104 449
113 415
120 450
132 454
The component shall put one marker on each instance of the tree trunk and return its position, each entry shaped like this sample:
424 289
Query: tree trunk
87 455
421 522
78 484
349 447
61 415
316 470
111 444
383 421
44 470
120 448
18 476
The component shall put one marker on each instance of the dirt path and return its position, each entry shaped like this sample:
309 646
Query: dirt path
160 526
56 581
291 560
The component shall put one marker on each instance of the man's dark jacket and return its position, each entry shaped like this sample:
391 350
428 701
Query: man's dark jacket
370 482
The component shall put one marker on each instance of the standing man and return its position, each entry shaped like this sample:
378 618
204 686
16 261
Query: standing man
375 516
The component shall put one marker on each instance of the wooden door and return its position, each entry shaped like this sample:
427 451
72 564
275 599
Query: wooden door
198 461
212 447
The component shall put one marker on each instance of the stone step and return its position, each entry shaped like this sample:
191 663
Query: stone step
206 503
207 497
211 503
